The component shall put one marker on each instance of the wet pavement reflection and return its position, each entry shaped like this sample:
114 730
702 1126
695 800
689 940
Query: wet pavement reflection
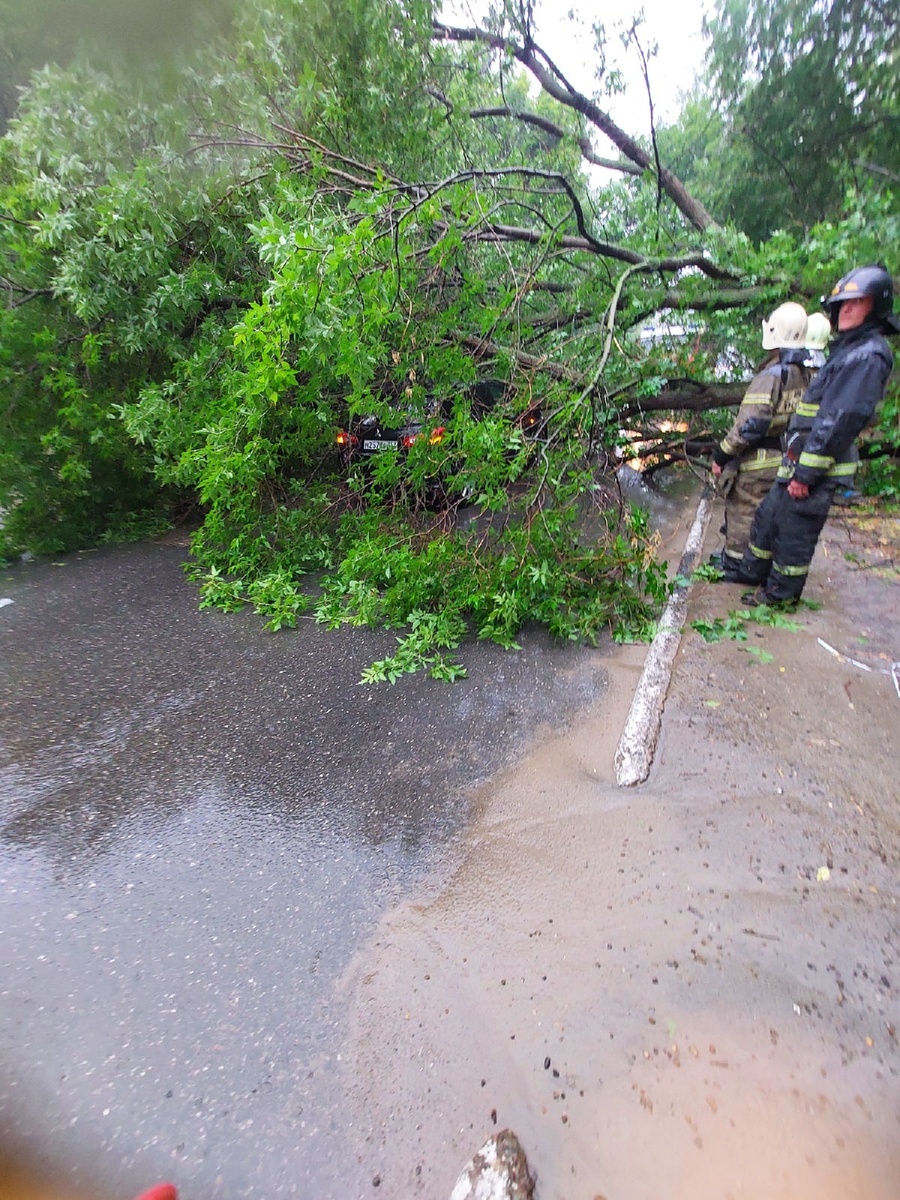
199 824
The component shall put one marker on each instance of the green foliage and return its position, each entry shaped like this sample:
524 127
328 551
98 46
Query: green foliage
881 478
707 573
45 31
718 629
734 626
881 469
774 618
417 650
758 655
490 582
200 326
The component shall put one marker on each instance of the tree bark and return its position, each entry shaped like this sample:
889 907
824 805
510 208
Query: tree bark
687 395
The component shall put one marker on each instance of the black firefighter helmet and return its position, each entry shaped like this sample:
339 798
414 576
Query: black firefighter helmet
865 281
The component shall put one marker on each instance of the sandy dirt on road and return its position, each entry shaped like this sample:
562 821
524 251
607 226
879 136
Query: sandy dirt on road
688 989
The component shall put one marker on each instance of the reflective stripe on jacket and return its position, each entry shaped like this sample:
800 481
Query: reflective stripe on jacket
766 408
760 460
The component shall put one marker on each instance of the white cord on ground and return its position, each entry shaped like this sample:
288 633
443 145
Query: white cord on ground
637 745
893 670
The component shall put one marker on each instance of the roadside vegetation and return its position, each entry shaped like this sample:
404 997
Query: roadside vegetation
217 250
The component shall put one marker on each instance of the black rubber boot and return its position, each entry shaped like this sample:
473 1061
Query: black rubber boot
754 599
730 568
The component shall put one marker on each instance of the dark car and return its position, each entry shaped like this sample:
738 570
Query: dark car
367 437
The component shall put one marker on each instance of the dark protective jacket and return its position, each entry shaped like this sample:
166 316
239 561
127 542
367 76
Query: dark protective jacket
839 403
765 411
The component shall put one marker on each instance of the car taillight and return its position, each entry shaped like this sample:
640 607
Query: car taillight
346 439
436 435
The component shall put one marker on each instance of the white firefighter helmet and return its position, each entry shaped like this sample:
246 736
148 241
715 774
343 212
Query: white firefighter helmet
818 331
785 329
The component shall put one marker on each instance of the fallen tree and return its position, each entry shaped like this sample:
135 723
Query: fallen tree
204 286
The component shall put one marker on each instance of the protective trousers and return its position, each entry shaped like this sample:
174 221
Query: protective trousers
743 498
783 539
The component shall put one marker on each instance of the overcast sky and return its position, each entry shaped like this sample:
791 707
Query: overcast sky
674 25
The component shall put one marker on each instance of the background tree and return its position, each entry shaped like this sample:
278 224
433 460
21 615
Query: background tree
44 32
798 106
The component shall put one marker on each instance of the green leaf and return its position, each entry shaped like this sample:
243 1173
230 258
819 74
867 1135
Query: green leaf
756 652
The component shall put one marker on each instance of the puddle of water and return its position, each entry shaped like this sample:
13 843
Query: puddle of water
200 823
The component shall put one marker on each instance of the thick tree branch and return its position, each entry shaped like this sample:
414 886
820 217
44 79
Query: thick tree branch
517 233
556 131
555 84
484 348
527 118
688 395
609 164
711 301
877 170
716 301
18 294
367 179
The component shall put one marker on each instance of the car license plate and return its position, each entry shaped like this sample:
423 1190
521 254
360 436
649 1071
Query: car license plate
372 444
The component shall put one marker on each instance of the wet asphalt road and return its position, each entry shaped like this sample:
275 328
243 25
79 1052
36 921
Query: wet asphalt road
200 823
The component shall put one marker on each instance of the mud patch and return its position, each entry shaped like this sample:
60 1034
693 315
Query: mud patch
662 991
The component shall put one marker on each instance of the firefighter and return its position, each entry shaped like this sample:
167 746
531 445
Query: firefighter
745 463
818 335
821 452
